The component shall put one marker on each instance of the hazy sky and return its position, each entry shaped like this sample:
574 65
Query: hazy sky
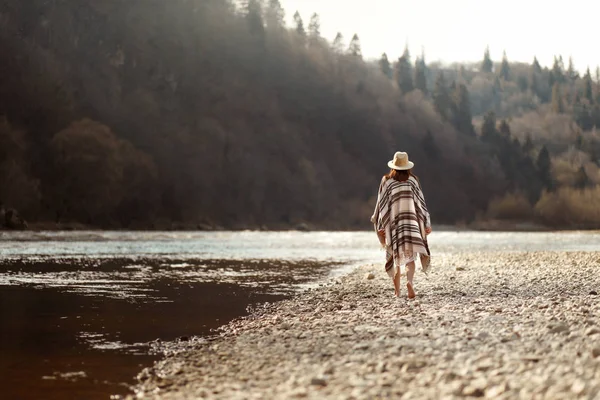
459 30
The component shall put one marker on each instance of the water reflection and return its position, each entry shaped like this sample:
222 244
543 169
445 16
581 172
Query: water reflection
73 329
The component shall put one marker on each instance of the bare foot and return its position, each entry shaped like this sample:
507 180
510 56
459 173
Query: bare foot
397 285
411 291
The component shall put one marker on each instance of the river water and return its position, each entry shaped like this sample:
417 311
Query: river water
81 312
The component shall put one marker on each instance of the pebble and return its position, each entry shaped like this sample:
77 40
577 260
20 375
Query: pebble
559 328
318 382
521 333
592 331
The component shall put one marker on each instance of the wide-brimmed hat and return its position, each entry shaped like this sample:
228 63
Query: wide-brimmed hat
401 162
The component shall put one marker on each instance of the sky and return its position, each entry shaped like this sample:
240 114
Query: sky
459 30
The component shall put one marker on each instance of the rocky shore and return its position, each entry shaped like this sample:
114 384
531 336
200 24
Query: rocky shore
493 325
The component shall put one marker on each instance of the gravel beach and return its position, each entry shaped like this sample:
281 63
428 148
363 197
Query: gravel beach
493 325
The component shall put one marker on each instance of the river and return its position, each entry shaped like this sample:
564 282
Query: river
83 312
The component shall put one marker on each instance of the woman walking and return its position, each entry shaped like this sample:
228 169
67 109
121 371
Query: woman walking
402 222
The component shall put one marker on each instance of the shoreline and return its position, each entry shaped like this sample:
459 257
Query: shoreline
500 325
477 226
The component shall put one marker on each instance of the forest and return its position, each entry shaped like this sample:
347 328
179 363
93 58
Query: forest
208 114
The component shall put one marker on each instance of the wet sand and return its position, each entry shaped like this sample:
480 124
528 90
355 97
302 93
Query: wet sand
484 324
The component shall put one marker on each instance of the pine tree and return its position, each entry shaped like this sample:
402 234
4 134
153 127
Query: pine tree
505 67
544 167
558 106
558 70
582 180
430 147
441 97
314 27
254 17
299 25
385 66
487 65
523 83
533 83
551 79
463 120
528 145
275 15
420 77
404 74
489 133
588 91
536 66
504 128
572 74
355 49
338 43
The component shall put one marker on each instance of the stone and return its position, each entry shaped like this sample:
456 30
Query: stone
496 391
473 391
596 352
592 331
578 387
318 382
369 276
593 293
460 268
558 328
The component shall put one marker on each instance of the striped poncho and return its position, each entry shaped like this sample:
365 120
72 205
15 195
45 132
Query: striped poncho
402 213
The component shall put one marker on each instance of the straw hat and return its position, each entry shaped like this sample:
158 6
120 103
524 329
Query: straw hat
401 162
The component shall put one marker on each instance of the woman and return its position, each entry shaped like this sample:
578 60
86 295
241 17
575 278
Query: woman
402 222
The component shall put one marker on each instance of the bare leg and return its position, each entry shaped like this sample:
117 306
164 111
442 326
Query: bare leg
410 273
397 282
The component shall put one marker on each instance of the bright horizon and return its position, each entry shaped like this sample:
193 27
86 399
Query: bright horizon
459 30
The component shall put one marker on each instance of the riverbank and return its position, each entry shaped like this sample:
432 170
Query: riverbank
499 325
479 225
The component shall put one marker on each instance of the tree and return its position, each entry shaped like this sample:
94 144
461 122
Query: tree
462 118
582 114
504 128
487 65
505 67
528 145
355 48
254 17
441 97
582 179
489 133
430 147
558 70
588 91
534 83
420 76
299 24
90 162
275 15
536 66
385 66
544 167
572 74
558 106
404 74
314 27
338 43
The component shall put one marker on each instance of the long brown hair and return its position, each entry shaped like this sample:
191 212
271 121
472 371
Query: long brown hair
400 176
